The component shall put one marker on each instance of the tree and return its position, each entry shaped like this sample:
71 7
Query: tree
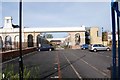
104 36
49 36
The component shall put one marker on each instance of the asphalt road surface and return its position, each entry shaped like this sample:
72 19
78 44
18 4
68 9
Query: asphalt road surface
68 63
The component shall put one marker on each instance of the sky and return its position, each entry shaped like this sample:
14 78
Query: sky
60 14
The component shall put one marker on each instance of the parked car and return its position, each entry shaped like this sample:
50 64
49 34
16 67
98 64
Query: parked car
84 46
46 47
97 47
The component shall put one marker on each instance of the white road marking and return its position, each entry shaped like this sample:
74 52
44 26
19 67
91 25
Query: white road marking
55 68
91 66
16 58
55 63
108 56
103 55
73 68
55 77
94 68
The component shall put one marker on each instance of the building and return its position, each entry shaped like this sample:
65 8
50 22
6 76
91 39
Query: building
31 37
109 41
56 41
93 36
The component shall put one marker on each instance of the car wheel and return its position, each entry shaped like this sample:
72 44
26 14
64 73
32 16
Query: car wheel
84 48
38 49
95 50
108 49
50 49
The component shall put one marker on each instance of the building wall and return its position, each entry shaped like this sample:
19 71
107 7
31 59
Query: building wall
34 34
82 34
8 29
13 33
110 39
72 37
94 36
105 43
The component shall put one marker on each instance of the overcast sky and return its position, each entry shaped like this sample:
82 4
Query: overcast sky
60 14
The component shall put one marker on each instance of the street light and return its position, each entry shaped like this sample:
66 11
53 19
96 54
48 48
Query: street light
103 34
113 4
118 25
20 37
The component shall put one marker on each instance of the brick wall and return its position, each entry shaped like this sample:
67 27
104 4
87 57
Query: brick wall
13 54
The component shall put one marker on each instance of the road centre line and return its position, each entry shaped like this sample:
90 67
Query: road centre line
91 66
58 66
73 67
55 77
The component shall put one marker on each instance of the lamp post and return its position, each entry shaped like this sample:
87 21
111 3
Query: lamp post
118 27
102 36
113 4
20 37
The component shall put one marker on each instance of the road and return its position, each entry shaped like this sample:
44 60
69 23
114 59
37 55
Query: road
66 64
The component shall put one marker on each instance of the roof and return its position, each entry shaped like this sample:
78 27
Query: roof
15 26
55 29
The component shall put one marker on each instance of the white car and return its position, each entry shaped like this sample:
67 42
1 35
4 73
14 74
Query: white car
97 47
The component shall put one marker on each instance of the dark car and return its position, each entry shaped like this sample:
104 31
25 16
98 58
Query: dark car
84 46
46 47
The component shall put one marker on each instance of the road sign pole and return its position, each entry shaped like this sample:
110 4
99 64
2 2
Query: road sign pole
118 27
113 41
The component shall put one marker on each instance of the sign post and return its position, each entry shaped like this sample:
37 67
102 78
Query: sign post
113 4
116 7
20 37
118 23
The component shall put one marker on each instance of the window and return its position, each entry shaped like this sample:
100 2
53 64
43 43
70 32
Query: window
101 45
95 45
7 20
97 33
109 37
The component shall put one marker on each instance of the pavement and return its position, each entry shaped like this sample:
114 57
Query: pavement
75 64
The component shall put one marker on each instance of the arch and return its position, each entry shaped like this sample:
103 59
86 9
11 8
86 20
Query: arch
41 40
16 41
8 42
1 42
77 39
30 40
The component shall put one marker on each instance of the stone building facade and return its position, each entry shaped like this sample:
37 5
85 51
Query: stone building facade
9 35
